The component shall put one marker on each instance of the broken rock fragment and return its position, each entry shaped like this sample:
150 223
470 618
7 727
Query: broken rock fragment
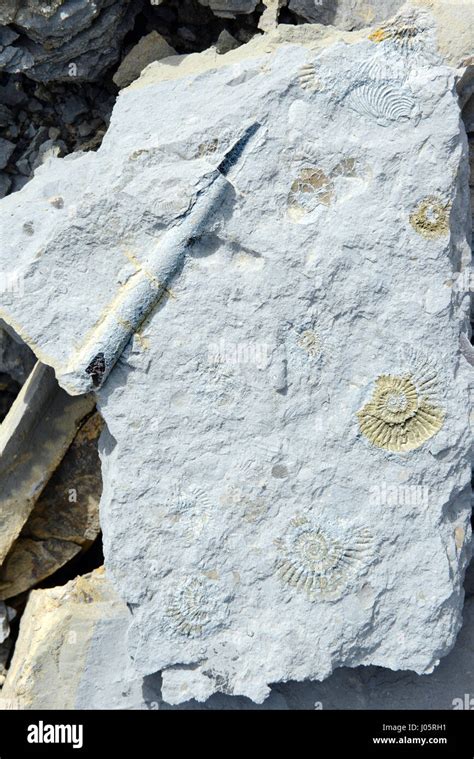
230 8
152 47
34 437
64 521
83 623
346 14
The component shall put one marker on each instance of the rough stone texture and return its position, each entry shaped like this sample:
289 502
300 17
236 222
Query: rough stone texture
226 42
16 362
230 8
374 687
71 642
34 437
8 10
64 38
64 521
346 14
86 624
16 359
152 47
4 626
39 119
255 459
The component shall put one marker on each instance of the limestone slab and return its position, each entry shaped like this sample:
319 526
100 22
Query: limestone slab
286 461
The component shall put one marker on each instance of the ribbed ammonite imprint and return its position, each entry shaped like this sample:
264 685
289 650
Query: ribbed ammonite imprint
431 217
404 33
315 340
308 78
314 560
193 609
404 411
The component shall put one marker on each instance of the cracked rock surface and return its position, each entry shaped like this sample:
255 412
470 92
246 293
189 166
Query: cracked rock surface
61 39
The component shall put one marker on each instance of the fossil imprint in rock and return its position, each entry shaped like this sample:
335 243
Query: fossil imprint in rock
431 217
404 410
318 562
193 610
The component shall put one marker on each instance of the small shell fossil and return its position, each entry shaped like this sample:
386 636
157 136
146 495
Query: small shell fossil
191 509
316 339
310 341
318 562
404 33
193 609
383 102
308 78
431 217
404 411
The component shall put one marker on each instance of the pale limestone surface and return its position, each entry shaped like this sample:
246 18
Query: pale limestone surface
241 519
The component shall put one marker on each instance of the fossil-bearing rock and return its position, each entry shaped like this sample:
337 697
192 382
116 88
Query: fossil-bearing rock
170 241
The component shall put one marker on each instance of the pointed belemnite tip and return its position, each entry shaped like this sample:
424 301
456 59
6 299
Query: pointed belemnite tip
231 158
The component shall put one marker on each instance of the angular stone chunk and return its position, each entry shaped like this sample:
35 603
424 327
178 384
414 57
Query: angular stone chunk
226 8
33 440
16 359
151 48
84 624
64 521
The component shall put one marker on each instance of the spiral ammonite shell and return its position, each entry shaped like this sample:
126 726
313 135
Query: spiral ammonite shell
431 217
319 563
400 416
192 609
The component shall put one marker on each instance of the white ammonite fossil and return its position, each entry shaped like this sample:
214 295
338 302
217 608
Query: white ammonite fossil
308 78
311 341
194 608
315 560
190 508
315 339
404 410
383 102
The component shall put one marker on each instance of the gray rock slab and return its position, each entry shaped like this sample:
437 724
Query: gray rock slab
6 150
450 686
286 466
16 359
83 623
230 8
